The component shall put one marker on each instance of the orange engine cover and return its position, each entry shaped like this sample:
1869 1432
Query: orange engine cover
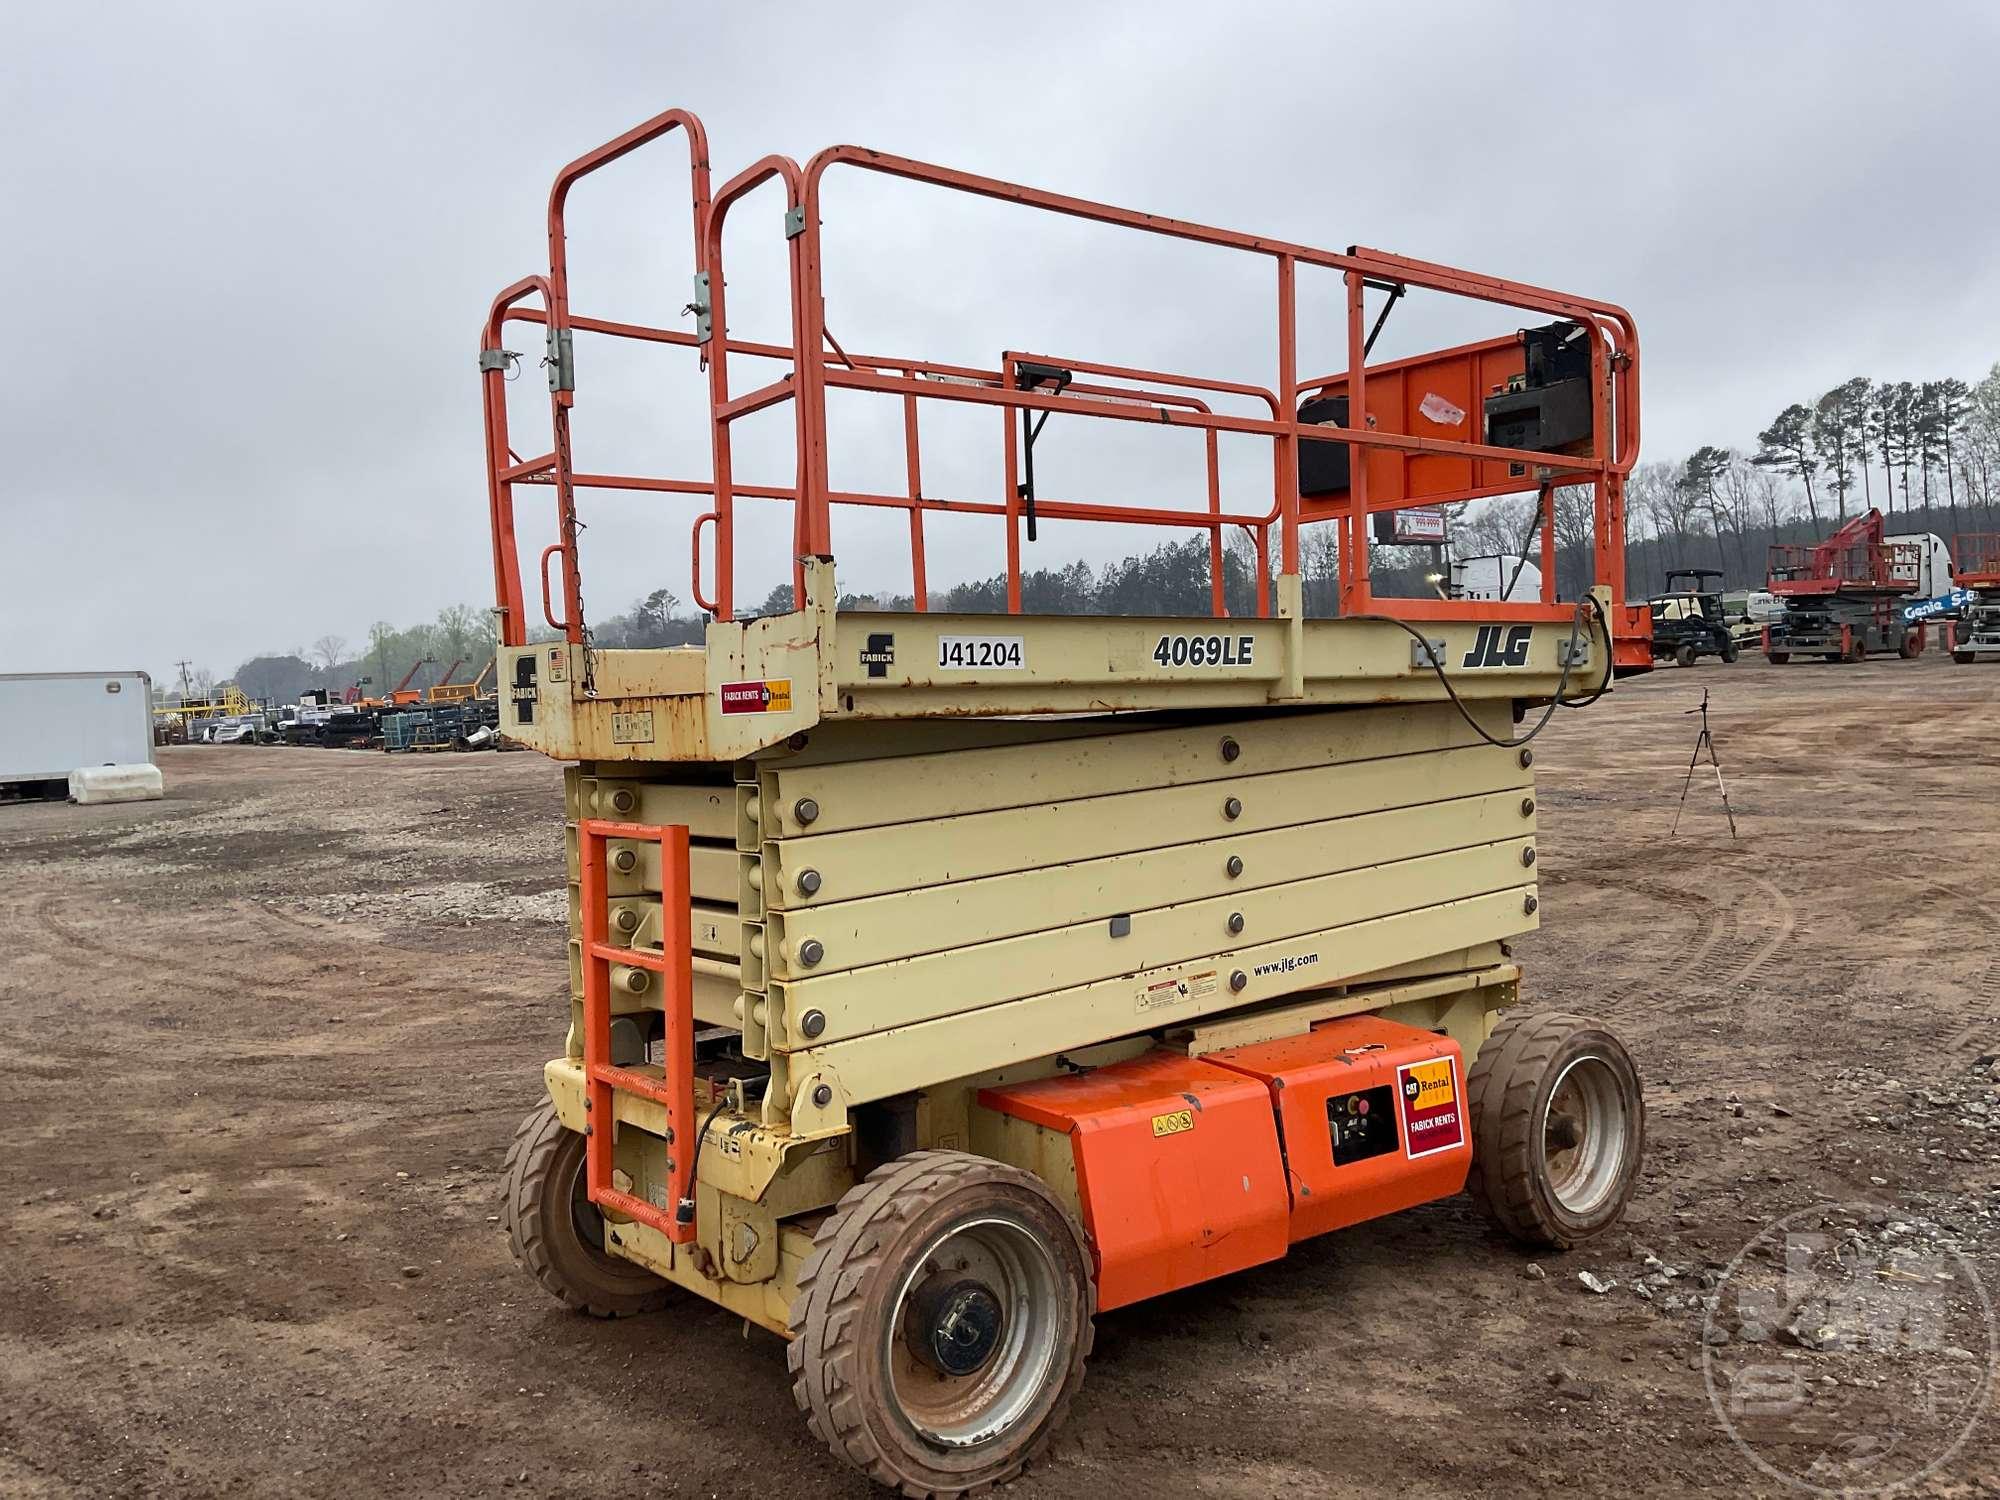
1372 1115
1177 1166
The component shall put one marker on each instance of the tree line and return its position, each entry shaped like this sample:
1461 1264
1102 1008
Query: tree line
1927 453
459 641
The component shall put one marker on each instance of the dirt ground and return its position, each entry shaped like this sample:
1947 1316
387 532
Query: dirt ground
262 1046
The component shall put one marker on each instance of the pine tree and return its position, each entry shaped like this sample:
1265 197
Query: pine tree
1953 404
1904 412
1927 420
1787 446
1699 475
1882 414
1837 421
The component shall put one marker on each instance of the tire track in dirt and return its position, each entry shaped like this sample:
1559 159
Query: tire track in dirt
249 964
1985 1026
1772 946
1714 920
1719 922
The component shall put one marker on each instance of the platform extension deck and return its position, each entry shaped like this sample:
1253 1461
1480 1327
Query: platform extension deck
760 682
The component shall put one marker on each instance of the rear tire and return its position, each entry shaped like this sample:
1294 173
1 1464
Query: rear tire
557 1233
941 1323
1907 648
1558 1129
1777 658
1963 658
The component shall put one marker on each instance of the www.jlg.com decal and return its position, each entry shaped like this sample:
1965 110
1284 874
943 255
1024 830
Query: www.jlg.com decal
1427 1095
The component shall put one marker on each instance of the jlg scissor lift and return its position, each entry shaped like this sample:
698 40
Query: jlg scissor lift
939 981
1843 597
1975 558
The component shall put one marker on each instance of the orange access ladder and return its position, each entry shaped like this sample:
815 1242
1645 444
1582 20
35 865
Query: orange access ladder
673 1088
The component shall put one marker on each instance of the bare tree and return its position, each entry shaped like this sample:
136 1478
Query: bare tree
1660 493
1766 499
1739 494
329 651
1576 537
1319 563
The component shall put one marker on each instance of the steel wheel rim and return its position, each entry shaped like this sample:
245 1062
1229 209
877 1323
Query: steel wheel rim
586 1219
1011 1261
1584 1135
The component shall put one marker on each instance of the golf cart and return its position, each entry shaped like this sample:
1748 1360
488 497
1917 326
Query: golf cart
1688 623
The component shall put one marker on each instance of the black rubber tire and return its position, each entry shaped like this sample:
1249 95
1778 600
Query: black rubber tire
847 1288
541 1176
1836 656
1963 658
1777 658
1684 655
1907 648
1729 653
1509 1089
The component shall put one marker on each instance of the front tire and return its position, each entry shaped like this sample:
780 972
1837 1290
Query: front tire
1963 658
557 1233
1777 658
941 1323
1684 655
1558 1129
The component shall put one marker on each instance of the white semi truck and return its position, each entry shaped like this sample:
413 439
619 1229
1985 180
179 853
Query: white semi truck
1497 577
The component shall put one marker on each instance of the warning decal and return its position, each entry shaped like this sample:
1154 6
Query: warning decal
772 697
632 729
1174 991
1427 1096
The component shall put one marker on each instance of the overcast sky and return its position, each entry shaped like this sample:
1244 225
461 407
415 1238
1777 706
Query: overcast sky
248 249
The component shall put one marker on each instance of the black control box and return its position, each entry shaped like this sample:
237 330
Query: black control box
1552 411
1323 468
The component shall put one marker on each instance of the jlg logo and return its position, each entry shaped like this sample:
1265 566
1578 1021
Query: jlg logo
1487 650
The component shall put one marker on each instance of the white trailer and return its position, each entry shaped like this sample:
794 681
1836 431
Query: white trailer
53 723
